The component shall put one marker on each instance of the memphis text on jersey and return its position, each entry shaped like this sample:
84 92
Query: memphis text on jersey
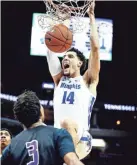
70 86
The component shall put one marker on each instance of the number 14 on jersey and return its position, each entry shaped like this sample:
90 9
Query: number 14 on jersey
68 98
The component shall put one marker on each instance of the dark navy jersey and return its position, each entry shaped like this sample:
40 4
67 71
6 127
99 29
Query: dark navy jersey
42 145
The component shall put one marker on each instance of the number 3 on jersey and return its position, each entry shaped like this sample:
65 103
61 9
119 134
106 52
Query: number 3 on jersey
32 148
68 97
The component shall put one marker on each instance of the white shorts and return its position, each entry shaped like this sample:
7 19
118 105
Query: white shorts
84 146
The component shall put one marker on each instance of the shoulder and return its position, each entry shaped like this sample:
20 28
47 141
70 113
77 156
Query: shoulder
60 134
61 131
45 130
6 150
64 142
14 139
6 155
50 129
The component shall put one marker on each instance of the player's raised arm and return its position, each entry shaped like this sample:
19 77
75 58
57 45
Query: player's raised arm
54 66
91 76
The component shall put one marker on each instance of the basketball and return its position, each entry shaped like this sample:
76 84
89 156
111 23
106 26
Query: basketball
59 38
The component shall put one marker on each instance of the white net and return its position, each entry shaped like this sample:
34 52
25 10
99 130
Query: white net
58 11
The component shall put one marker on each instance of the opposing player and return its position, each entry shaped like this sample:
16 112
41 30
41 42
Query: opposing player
5 139
38 144
74 94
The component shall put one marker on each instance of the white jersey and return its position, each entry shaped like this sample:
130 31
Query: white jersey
73 100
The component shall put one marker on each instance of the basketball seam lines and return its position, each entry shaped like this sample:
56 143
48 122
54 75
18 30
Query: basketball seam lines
59 45
61 40
65 38
62 33
55 37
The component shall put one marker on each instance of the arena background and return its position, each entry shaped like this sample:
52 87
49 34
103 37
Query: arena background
117 85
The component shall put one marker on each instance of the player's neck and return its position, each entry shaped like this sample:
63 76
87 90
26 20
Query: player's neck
37 124
76 74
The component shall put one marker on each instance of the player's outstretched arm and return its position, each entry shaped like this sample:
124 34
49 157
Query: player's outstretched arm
54 66
91 76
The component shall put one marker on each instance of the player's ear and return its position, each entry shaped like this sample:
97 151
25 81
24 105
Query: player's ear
80 63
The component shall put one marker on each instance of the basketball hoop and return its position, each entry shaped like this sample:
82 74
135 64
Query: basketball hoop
58 11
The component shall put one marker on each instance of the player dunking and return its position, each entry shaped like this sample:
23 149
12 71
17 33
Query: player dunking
38 144
74 95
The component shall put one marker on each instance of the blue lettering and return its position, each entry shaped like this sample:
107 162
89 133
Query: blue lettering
70 86
68 97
